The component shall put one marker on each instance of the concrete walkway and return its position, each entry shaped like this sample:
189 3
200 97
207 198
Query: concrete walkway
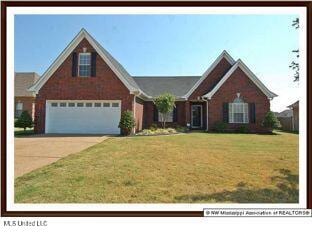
32 152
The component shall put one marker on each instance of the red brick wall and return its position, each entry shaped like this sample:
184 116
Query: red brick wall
27 104
62 86
238 83
138 109
212 79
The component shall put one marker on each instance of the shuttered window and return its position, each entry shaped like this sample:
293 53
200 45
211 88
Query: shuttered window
168 117
84 65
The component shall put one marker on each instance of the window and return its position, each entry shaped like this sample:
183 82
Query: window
84 65
97 104
115 104
63 104
19 106
88 104
168 117
106 104
54 104
80 104
238 111
71 104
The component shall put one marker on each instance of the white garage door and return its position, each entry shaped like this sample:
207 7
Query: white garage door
83 117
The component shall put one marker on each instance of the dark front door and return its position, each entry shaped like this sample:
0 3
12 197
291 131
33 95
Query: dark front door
196 116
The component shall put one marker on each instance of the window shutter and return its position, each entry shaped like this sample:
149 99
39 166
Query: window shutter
252 112
155 114
74 64
93 64
225 112
175 115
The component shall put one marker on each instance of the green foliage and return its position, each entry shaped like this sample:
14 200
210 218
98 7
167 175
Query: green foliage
153 127
165 104
181 128
220 127
157 131
24 121
127 122
270 121
242 129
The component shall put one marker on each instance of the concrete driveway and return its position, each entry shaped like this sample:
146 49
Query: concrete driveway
32 152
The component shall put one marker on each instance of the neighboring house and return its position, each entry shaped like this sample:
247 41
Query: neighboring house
285 118
289 118
86 89
24 99
295 120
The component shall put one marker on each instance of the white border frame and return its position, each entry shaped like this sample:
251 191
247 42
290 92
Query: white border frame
12 11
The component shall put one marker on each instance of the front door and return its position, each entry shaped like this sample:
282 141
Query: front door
196 116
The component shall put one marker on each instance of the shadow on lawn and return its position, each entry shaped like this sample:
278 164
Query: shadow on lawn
286 191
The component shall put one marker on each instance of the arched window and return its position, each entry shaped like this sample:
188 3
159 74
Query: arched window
238 111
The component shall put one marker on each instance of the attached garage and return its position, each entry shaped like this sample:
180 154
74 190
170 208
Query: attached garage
83 116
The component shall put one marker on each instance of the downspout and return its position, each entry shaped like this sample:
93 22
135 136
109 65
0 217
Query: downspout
134 96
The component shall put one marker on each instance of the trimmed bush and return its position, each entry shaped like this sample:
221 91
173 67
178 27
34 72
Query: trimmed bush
220 127
24 121
127 123
153 127
270 121
242 129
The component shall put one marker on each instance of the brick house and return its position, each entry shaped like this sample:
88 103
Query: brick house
86 89
24 99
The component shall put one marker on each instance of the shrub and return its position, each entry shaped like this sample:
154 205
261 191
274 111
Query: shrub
127 122
181 129
153 127
24 121
242 129
220 127
270 121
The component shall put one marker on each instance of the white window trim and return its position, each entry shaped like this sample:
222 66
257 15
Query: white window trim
245 113
83 64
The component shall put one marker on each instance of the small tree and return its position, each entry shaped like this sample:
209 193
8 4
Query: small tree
127 122
164 104
270 121
24 121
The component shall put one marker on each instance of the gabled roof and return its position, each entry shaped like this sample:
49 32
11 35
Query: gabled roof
223 55
22 81
116 67
249 73
156 85
295 104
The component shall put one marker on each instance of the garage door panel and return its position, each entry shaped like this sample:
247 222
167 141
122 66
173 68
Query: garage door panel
84 120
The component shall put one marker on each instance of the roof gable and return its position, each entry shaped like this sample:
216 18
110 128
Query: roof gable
223 55
116 67
250 75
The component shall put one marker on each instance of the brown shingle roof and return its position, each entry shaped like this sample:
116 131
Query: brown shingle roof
22 81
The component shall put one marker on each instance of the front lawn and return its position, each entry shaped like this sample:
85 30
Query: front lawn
188 168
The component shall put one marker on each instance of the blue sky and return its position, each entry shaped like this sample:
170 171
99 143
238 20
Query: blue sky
169 44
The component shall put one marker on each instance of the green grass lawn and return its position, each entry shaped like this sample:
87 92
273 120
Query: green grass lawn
21 132
188 168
